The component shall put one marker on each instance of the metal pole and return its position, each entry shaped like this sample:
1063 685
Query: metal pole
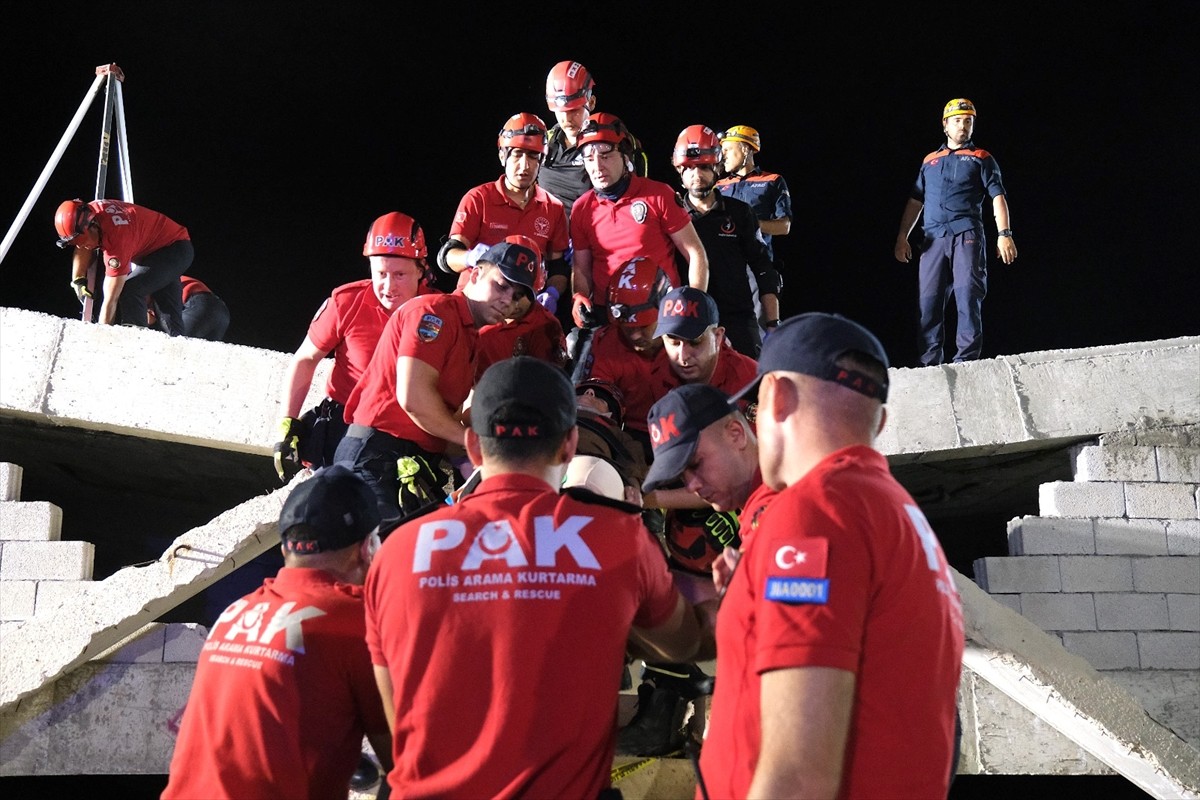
123 148
50 165
105 137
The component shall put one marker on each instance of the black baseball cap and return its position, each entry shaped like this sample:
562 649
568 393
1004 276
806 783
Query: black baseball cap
675 423
686 313
335 508
812 343
517 263
523 397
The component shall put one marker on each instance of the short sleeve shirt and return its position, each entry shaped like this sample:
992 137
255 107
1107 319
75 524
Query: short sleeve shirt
129 231
479 609
486 215
953 185
435 328
348 324
538 334
283 694
843 571
614 361
639 223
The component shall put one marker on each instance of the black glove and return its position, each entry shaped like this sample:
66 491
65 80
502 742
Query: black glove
79 286
287 459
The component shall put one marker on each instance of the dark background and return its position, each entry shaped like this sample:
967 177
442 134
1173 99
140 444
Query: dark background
277 133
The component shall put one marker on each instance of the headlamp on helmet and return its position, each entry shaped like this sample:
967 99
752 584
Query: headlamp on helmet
958 107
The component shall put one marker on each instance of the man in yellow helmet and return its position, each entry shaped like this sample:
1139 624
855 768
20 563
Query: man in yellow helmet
765 192
951 187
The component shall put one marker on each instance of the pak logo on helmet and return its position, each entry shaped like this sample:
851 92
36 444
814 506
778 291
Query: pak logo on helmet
429 328
640 211
390 240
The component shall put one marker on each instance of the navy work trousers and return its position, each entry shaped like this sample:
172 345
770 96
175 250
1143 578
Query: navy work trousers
954 265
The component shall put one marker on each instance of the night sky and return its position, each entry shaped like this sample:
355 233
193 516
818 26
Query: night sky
277 133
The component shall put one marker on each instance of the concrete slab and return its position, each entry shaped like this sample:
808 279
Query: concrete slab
42 649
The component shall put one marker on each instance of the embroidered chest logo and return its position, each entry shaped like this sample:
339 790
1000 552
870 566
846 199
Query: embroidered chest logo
640 211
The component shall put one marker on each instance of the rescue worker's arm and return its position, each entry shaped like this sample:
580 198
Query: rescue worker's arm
417 394
679 638
770 307
1005 246
581 288
456 258
805 714
113 284
383 680
776 227
673 498
581 273
687 241
560 282
298 378
80 262
912 210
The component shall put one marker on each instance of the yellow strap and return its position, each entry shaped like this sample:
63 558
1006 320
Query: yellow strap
625 770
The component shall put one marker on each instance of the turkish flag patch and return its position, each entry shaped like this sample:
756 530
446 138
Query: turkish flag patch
798 572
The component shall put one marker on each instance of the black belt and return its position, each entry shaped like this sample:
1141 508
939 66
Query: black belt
405 447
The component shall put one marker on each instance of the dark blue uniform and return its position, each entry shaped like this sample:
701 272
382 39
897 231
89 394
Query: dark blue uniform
953 185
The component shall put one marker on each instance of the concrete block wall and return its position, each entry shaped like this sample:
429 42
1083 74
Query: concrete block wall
39 571
34 562
1112 563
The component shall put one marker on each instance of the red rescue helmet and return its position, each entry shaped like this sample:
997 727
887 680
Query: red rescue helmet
395 234
526 131
696 146
569 85
605 127
539 280
635 291
72 221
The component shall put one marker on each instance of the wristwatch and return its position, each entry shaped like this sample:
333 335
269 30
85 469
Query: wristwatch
1006 232
771 323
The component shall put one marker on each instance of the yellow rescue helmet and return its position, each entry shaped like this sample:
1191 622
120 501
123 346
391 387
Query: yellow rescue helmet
743 133
958 107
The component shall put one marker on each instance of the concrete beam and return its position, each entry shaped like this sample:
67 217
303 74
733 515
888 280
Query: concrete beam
39 650
1018 402
1033 668
225 395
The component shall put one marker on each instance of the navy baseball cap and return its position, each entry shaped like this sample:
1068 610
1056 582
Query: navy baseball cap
335 508
686 313
517 263
675 423
523 397
811 344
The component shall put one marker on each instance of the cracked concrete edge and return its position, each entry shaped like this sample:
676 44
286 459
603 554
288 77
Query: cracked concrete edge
1095 697
86 625
1024 403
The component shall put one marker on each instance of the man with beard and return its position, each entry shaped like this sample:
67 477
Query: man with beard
951 187
513 204
730 233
